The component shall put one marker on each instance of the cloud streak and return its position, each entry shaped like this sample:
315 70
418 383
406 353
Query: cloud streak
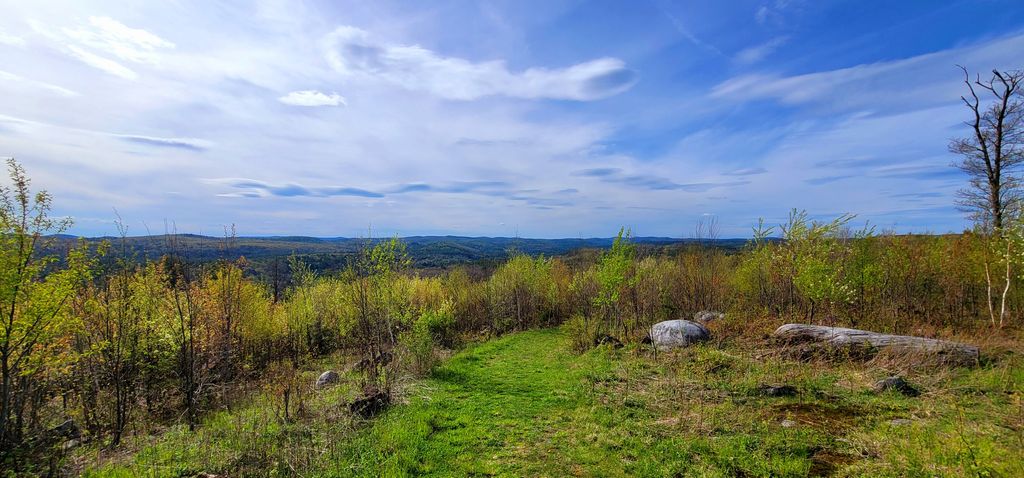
103 38
754 54
651 182
312 98
353 52
191 144
42 85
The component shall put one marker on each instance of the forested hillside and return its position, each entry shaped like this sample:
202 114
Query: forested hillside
334 254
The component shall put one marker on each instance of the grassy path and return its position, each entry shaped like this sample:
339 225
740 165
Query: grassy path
511 406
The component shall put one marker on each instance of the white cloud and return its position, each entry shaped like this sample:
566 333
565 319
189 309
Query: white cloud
11 40
105 37
352 52
101 63
922 80
115 38
7 76
757 53
312 98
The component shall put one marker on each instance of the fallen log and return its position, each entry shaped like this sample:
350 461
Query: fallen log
840 337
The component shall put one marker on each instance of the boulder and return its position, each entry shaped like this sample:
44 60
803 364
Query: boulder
672 334
840 337
327 378
706 316
897 384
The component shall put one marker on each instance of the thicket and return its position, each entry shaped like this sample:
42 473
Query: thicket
113 345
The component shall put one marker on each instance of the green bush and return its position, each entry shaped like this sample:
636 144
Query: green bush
440 324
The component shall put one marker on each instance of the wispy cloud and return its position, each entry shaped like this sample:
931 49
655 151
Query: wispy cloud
746 172
192 144
103 37
312 98
925 195
651 182
254 188
42 85
110 36
451 187
666 10
101 63
251 188
756 53
773 12
11 40
870 85
827 179
352 51
598 172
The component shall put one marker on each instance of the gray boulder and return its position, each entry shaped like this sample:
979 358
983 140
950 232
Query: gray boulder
706 316
945 351
672 334
327 378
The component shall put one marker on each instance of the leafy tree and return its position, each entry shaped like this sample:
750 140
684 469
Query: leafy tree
380 305
35 290
613 270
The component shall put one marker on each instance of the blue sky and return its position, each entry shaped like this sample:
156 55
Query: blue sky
538 119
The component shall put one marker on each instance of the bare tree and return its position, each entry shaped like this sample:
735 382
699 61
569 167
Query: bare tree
992 154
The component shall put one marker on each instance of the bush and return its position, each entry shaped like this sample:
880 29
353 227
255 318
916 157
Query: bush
582 332
440 324
418 343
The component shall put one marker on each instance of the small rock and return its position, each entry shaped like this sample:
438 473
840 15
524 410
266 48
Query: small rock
706 316
787 423
899 422
898 384
777 390
677 333
327 378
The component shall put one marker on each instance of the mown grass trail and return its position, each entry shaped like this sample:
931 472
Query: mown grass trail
525 405
508 406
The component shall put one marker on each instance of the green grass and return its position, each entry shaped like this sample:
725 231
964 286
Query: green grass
525 405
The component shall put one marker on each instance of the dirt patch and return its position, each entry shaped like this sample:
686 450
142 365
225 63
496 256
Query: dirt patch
831 419
827 463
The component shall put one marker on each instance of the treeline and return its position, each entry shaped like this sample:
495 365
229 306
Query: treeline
110 343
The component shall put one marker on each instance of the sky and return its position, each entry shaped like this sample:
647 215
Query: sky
494 118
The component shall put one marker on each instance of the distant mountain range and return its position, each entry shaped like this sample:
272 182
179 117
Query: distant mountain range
426 251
